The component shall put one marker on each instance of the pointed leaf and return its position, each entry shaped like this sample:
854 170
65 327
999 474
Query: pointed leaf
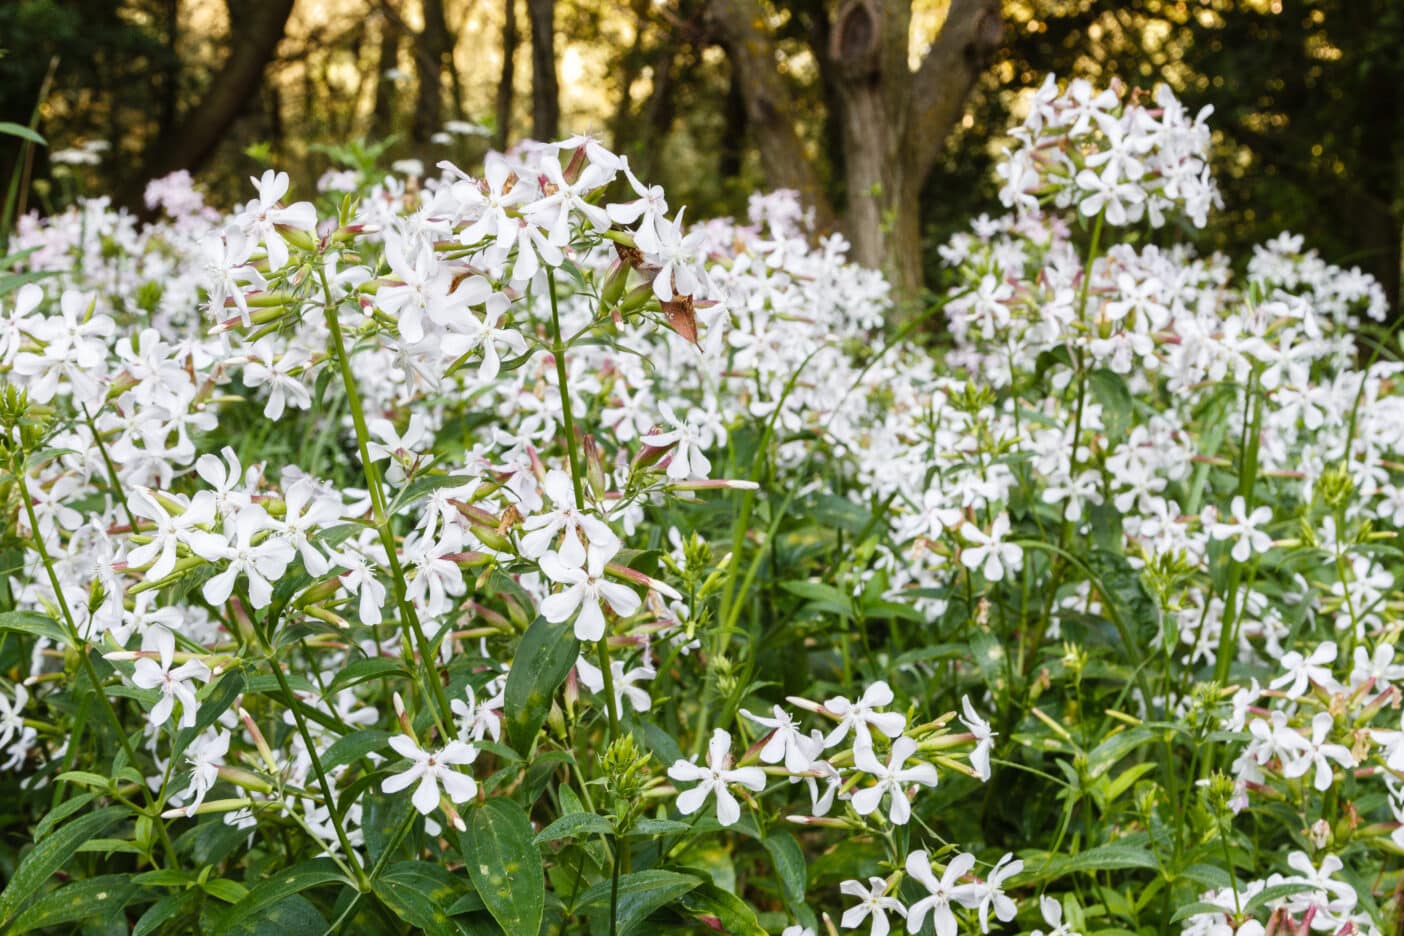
505 865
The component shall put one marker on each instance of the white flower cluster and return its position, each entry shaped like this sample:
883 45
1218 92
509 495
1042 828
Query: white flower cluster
1110 155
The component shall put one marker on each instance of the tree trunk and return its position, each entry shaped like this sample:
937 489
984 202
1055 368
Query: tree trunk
433 43
740 25
545 94
383 116
510 38
254 40
733 130
891 122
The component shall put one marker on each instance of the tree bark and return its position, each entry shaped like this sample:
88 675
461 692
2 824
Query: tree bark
253 42
383 116
434 44
741 26
545 93
505 84
892 122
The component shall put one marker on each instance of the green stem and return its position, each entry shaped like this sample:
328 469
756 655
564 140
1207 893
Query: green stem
409 618
295 707
573 453
81 646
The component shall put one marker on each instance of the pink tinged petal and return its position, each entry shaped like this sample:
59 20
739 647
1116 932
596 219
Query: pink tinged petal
426 795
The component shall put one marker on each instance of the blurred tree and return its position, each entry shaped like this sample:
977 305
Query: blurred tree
255 31
892 120
545 93
505 84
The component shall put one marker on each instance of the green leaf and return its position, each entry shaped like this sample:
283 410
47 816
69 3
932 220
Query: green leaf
1103 858
422 894
785 851
34 624
61 812
1275 892
735 915
573 826
275 889
505 865
163 910
354 746
230 892
1194 909
291 916
50 854
1102 757
364 671
659 827
640 894
20 130
544 657
382 817
98 896
1110 390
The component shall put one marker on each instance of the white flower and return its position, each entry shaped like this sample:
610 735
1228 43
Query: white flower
478 719
992 896
259 563
984 738
861 715
873 903
583 593
892 779
990 551
942 892
786 741
1318 753
580 528
173 683
431 770
1053 915
687 460
170 531
205 755
624 682
1300 671
715 778
1243 530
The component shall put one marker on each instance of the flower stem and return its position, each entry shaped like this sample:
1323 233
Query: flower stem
573 453
81 646
409 618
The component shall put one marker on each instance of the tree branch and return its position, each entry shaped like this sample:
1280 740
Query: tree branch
972 32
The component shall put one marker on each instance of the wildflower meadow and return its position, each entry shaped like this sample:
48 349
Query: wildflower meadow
513 551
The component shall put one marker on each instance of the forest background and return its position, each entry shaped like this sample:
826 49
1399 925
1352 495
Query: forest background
886 114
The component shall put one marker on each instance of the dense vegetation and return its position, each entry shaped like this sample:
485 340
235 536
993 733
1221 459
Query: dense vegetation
476 553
